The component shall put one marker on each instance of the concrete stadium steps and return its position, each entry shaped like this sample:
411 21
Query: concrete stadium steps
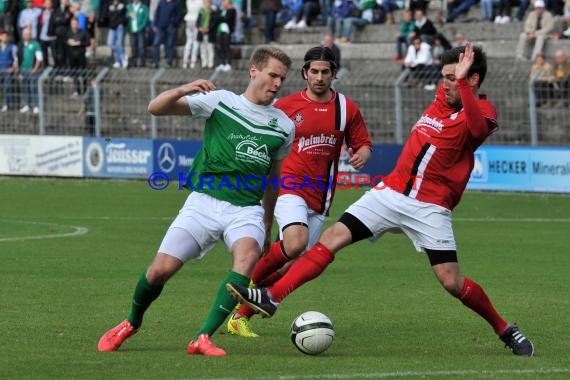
499 48
476 31
378 41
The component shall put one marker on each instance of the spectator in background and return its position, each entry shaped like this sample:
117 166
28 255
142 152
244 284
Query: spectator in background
306 13
166 20
566 33
8 67
419 61
388 7
31 64
152 5
523 6
487 9
422 5
225 25
288 12
538 27
437 51
137 22
13 8
541 72
192 9
459 40
238 36
47 40
91 26
29 17
403 40
564 21
3 11
503 15
270 8
77 42
456 8
81 17
206 37
341 11
116 37
365 16
87 108
59 25
424 27
328 41
325 7
561 71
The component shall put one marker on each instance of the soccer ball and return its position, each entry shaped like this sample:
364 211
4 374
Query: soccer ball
312 332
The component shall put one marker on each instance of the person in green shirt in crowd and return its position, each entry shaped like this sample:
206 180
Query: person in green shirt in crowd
31 64
138 19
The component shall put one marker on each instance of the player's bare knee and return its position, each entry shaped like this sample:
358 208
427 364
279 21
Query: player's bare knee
451 284
336 237
294 247
245 260
162 268
157 275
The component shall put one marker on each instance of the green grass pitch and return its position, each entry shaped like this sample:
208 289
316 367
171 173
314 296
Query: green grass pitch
71 252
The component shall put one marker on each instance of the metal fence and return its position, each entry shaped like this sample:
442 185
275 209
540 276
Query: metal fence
113 102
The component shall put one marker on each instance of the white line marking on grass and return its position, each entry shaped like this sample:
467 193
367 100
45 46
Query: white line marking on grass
77 231
423 374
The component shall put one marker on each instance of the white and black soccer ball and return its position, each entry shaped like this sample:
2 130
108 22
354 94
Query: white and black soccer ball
312 332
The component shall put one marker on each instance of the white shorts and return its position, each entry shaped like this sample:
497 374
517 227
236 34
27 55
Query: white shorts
206 219
427 225
293 209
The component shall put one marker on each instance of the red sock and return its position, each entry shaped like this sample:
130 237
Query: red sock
304 269
474 297
246 311
268 264
269 280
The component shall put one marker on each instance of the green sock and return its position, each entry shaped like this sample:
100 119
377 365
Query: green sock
145 294
223 305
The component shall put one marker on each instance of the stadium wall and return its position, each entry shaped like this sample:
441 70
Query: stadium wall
504 168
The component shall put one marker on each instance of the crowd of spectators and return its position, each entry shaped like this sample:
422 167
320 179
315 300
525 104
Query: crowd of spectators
63 33
551 80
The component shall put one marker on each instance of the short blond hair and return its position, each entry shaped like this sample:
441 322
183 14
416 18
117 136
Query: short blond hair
261 55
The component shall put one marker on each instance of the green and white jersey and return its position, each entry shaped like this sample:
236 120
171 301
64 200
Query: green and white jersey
241 142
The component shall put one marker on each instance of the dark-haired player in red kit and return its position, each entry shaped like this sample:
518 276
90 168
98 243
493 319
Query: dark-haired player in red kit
324 119
438 158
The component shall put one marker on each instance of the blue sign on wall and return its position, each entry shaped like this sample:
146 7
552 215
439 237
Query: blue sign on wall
118 158
521 169
173 157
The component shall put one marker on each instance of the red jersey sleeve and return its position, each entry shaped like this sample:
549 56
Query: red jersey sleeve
480 115
357 135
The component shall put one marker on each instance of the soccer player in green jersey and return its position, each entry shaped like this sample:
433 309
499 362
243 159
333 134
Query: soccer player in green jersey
245 141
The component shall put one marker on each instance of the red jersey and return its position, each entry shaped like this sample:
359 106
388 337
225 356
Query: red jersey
310 170
437 160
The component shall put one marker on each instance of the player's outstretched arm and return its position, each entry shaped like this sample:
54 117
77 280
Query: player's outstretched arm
476 122
172 102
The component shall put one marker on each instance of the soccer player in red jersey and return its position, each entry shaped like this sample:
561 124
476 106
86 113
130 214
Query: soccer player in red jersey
324 119
437 159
